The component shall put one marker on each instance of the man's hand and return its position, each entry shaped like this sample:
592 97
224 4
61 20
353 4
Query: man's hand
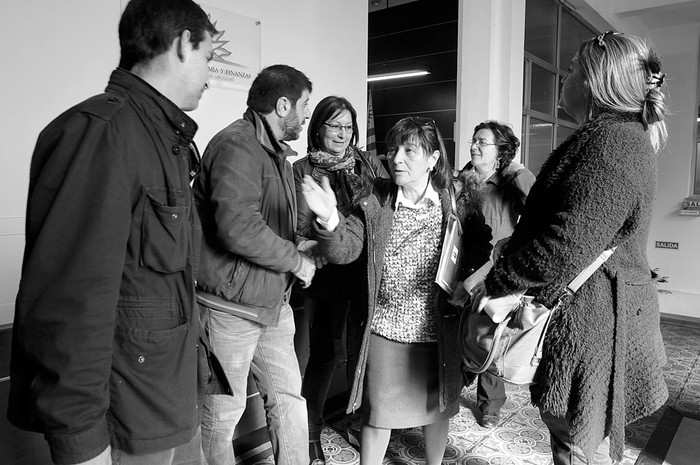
310 248
307 270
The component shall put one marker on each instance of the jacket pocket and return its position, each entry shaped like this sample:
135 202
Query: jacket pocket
164 232
640 295
153 385
255 286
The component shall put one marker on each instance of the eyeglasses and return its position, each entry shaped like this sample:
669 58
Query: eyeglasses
334 128
479 143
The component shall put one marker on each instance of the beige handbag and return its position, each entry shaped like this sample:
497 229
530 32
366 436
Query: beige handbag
506 338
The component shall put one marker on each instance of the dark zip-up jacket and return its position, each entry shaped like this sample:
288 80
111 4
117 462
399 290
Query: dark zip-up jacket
246 200
106 327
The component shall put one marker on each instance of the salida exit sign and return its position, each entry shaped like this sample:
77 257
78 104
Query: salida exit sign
666 245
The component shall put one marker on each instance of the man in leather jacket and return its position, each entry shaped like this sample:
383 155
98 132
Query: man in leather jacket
250 258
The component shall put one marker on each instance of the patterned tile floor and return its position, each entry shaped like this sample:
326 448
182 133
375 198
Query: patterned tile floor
521 438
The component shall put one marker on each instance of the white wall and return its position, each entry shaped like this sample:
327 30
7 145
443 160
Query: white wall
490 68
679 48
326 39
59 53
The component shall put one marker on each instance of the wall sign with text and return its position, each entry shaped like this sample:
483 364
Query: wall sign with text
236 60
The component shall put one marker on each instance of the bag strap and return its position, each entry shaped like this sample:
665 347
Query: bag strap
495 348
453 201
570 290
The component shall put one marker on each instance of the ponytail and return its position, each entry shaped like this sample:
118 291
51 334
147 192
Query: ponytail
654 105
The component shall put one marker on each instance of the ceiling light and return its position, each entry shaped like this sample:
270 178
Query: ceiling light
397 75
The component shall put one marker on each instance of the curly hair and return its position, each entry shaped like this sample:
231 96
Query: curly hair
506 141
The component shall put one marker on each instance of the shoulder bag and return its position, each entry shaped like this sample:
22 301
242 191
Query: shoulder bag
506 337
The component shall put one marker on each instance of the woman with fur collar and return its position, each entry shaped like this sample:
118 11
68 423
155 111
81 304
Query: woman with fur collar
504 185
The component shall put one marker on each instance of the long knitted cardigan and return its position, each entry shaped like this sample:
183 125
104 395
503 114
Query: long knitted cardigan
371 227
603 353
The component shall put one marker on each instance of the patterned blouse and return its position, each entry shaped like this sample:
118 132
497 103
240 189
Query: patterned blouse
404 310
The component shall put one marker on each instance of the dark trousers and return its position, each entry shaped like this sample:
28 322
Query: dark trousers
334 338
564 452
490 393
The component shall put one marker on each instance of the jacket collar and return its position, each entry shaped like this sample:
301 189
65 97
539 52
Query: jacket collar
151 102
264 135
495 179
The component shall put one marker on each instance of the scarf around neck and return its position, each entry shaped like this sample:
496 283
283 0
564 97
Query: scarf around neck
332 163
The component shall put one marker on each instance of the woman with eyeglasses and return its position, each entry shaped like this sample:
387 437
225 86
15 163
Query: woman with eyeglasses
603 353
504 185
335 305
408 372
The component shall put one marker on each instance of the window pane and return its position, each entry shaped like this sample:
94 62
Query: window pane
696 187
562 133
573 32
525 83
541 29
540 144
542 93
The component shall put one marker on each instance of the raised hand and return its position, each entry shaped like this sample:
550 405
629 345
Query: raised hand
320 199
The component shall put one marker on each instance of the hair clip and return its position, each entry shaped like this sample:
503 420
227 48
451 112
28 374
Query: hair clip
601 38
655 80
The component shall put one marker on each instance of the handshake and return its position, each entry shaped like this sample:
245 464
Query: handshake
311 259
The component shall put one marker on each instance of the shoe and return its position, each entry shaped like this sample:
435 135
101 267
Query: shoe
353 437
490 419
316 456
353 425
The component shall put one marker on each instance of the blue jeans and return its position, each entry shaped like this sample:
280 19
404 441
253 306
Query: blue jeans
267 352
187 454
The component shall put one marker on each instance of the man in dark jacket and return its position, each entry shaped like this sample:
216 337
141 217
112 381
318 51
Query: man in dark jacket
104 356
250 257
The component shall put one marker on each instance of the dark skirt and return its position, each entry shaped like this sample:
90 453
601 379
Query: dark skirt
402 385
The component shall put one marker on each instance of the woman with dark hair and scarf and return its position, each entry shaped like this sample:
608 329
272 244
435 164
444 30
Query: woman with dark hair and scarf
336 302
408 372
